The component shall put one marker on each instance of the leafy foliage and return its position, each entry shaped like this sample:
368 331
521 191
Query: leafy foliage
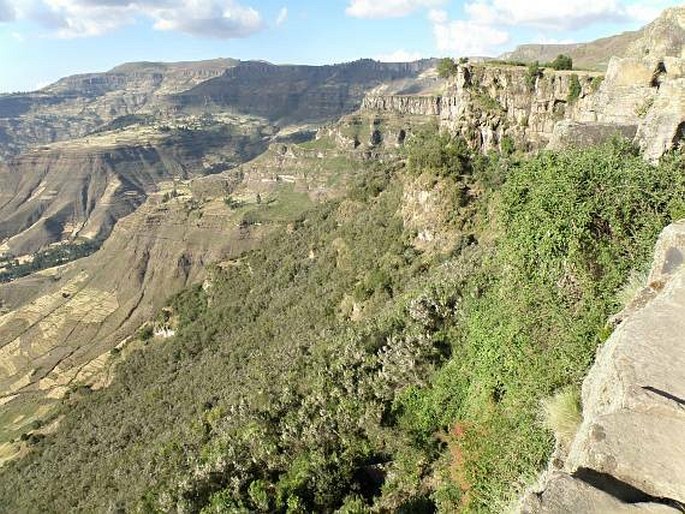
438 152
447 68
574 88
11 268
338 368
562 62
533 73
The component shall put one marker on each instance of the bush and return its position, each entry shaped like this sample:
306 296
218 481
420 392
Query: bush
447 68
562 62
533 73
437 152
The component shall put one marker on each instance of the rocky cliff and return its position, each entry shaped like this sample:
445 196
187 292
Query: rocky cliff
486 103
627 453
641 97
646 88
295 94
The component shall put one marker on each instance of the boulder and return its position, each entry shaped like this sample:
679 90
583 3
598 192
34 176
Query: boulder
634 395
564 494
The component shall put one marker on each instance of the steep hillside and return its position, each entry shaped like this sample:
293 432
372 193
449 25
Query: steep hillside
344 364
80 188
57 327
239 287
594 55
295 94
664 36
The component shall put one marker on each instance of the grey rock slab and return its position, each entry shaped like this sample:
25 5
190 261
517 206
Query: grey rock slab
564 494
634 400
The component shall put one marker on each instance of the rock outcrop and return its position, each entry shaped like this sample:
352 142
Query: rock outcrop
644 89
486 103
629 448
642 97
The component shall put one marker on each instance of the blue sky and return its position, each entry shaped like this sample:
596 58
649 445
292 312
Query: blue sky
43 40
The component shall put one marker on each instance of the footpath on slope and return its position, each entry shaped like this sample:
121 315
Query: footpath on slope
629 452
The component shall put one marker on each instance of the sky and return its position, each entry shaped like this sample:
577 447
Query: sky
43 40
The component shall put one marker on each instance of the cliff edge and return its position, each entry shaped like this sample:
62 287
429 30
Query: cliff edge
627 455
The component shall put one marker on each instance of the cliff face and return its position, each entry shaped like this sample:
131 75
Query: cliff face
627 453
641 97
294 94
486 103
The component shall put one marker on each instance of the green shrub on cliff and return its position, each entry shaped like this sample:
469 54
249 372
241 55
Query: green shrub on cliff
562 62
447 68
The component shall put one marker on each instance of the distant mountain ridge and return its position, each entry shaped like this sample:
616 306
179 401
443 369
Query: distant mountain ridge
663 36
80 104
594 55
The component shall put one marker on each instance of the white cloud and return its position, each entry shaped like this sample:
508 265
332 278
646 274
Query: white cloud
399 56
388 8
487 23
466 37
76 18
282 16
566 15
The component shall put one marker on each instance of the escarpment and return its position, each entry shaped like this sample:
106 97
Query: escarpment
487 103
641 97
295 94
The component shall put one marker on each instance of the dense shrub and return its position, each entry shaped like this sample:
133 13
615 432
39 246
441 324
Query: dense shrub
562 62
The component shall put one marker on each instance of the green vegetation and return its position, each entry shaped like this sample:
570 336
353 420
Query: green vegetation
596 83
533 73
339 368
487 102
11 268
562 62
574 89
447 68
644 108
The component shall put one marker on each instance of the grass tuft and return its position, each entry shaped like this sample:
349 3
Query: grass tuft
562 414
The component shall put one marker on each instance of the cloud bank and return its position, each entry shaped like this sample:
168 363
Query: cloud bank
224 19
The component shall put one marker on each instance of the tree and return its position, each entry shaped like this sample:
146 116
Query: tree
447 68
562 62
